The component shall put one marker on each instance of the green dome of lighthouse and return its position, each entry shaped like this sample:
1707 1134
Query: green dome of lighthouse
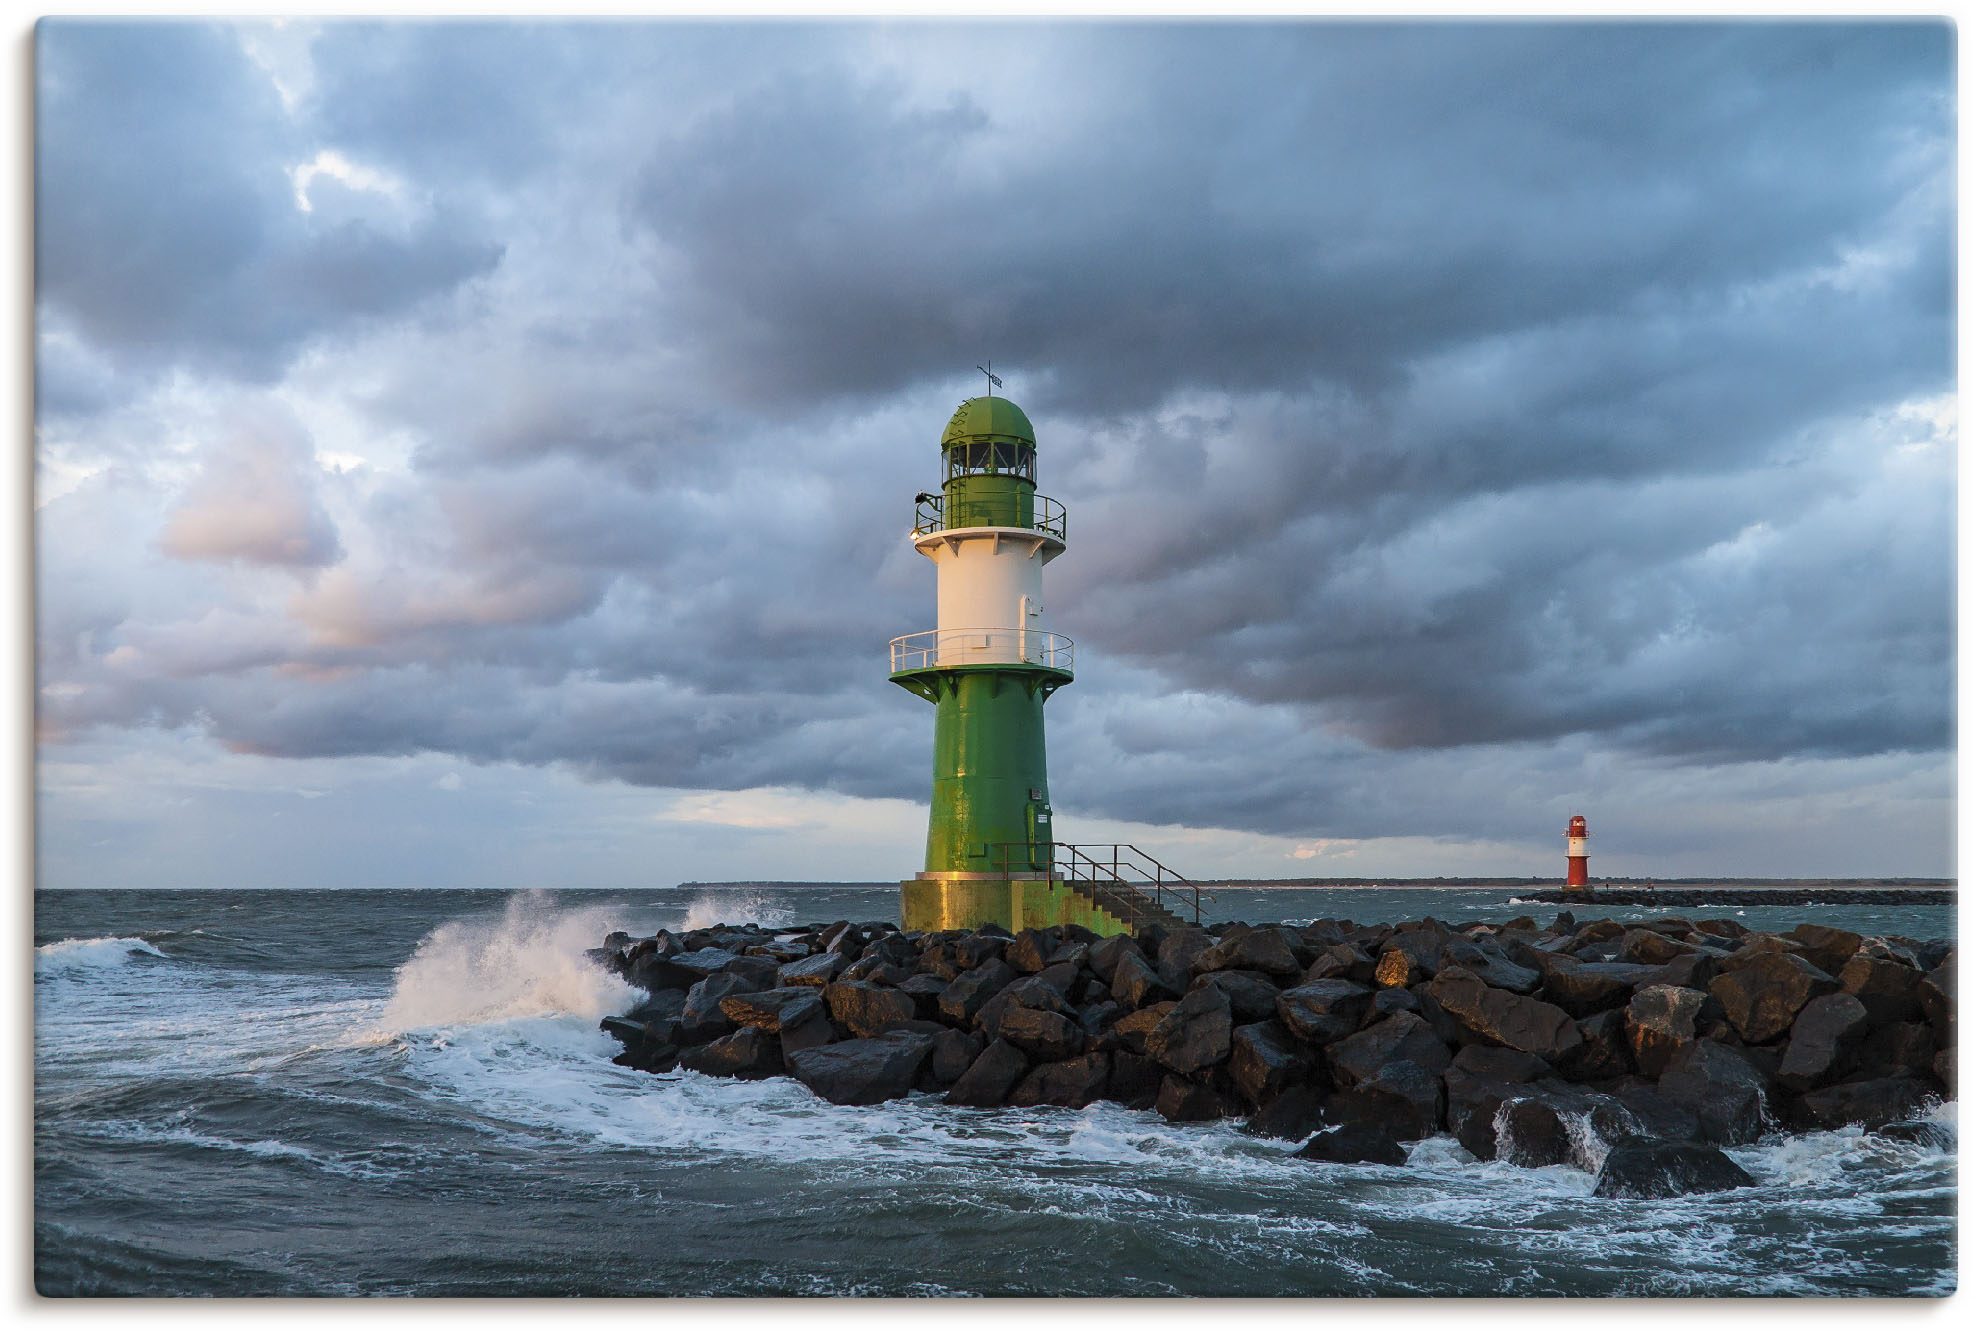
993 418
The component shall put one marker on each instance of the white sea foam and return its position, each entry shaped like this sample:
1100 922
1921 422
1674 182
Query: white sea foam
755 908
528 963
90 953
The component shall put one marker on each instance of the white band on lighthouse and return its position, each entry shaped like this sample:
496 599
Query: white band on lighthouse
989 587
1578 847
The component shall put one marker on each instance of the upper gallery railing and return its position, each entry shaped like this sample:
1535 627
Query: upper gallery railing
1050 518
982 646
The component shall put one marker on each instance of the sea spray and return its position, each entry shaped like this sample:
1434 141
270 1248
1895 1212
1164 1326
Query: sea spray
529 962
90 953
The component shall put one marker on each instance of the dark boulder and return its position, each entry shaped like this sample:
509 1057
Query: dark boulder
1499 1064
1134 983
974 987
816 972
1888 989
1584 988
1823 1042
701 1020
1531 1133
1924 1131
1075 1083
1251 995
1130 1032
768 1010
1644 946
1290 1115
1403 1036
1265 1061
1659 1022
1904 1049
748 1054
1828 949
1605 1049
1028 952
976 949
1938 996
1695 970
1388 1002
1865 1103
1104 955
1064 978
867 1010
952 1052
1342 960
1488 962
1324 1011
1047 1035
1177 953
925 990
1401 1097
863 1071
1195 1034
1134 1079
1507 1019
1181 1100
1762 996
1649 1171
992 1077
1353 1143
1721 1088
1264 949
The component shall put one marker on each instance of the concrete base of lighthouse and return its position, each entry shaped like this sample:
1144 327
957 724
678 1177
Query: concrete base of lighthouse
936 901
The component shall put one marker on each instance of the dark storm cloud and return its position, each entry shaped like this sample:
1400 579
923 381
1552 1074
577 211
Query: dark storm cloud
1416 390
167 228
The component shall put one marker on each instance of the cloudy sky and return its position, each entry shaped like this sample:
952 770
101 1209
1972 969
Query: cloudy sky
482 454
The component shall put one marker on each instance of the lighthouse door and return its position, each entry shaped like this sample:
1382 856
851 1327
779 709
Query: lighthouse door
1041 834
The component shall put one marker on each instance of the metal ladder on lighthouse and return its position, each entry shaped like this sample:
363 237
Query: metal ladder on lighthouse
1103 874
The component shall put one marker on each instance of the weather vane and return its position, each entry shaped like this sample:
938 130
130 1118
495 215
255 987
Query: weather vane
993 380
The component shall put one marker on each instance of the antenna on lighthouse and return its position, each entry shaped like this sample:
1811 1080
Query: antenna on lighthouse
993 380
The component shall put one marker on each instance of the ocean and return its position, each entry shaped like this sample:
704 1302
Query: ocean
334 1093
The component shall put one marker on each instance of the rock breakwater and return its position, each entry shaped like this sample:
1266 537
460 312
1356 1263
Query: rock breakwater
1635 1050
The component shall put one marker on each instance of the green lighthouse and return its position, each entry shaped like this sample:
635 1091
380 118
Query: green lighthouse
988 668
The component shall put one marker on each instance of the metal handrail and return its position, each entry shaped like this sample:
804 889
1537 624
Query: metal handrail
1050 518
1084 866
982 646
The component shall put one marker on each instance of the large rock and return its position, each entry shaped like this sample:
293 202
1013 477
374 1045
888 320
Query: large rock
1263 949
1721 1088
863 1071
1605 1049
701 1020
1195 1034
1500 1017
1904 1049
1660 1021
1251 995
1584 988
973 988
924 990
1046 1035
1028 952
1828 949
1177 953
1888 989
1644 946
1290 1115
817 971
771 1009
1487 961
953 1051
1265 1061
1324 1011
1938 996
1762 996
1182 1100
1650 1171
1130 1032
1076 1083
1400 1037
992 1077
1823 1041
1353 1143
748 1054
1511 1065
1865 1103
868 1009
1134 983
1342 960
1104 955
1134 1079
1401 1097
1531 1133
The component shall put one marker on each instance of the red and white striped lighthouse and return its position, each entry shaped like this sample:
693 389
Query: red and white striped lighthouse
1578 854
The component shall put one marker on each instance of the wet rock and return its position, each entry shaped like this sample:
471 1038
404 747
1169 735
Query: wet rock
980 948
1828 949
1265 1061
1063 978
863 1071
1494 969
1904 1049
1605 1049
817 971
1865 1103
1104 955
1938 997
1342 960
974 987
1500 1064
1644 946
1353 1143
1659 1022
1696 969
1530 1133
1075 1083
1290 1115
1134 1079
875 969
1134 983
1133 1030
1388 1002
767 1010
1503 1018
1757 945
1177 953
953 1051
748 1054
701 1020
1097 1018
1263 949
866 1009
1402 1036
924 990
1651 1116
1181 1100
1046 1035
1195 1034
1649 1171
1823 1041
660 1014
1251 995
1762 996
1720 1087
1028 952
992 1077
1583 988
1324 1011
1401 1097
1924 1131
1888 989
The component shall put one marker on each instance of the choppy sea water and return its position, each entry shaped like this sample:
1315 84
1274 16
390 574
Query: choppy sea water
404 1092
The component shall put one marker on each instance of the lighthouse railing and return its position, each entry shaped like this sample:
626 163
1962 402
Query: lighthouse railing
1118 877
1050 517
946 647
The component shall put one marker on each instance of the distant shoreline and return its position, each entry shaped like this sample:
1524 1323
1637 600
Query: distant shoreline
1446 883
